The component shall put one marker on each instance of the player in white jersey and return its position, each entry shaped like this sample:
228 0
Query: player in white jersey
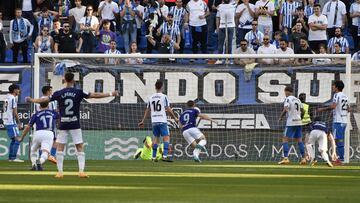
295 111
47 92
157 105
11 121
340 108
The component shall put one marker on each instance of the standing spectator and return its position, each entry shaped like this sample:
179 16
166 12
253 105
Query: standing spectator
244 49
317 24
245 14
45 3
225 26
128 28
355 25
106 35
197 12
56 28
356 57
107 9
335 11
2 41
284 49
254 37
89 25
77 13
139 20
309 8
173 30
20 31
45 18
211 19
44 43
164 9
64 7
265 9
287 14
112 50
134 50
66 40
179 13
304 49
266 48
28 7
343 42
295 36
300 17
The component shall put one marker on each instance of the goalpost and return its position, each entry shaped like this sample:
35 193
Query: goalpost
245 101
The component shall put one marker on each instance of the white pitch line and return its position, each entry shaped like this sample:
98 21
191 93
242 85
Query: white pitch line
70 187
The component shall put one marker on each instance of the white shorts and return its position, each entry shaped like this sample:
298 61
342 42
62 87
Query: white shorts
76 136
42 139
320 137
192 134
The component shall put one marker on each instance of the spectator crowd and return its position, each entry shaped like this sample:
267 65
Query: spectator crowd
185 26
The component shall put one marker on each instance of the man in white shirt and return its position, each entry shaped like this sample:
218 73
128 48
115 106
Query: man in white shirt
355 16
108 9
317 28
139 20
197 11
266 48
265 10
335 11
19 35
77 13
244 49
245 14
164 9
284 49
112 50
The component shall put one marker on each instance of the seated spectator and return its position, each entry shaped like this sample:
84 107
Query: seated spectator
244 49
284 49
343 42
277 38
245 14
107 10
163 47
2 42
66 40
128 28
254 37
317 28
265 10
76 14
112 50
295 36
287 14
335 11
45 18
303 49
89 24
322 61
356 57
266 48
44 43
300 17
337 48
105 36
134 50
309 8
355 16
171 29
20 31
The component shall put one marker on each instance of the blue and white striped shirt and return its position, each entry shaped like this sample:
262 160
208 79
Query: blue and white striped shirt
251 38
287 10
308 11
356 56
178 15
343 42
172 30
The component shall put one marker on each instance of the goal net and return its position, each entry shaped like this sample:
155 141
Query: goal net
245 100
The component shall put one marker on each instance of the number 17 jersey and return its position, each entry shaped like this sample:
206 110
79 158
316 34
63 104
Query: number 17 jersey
158 103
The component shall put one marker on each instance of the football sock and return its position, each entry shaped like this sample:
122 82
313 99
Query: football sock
155 146
340 150
60 160
311 151
81 161
44 156
196 152
53 151
33 158
166 149
202 143
302 149
11 149
286 149
325 156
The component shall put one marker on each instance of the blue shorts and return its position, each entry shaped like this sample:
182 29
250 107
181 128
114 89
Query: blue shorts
293 131
12 131
339 130
160 129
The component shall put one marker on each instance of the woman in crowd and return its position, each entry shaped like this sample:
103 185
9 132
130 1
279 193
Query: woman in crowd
88 26
44 42
134 50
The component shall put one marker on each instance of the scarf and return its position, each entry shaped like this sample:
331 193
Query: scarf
19 28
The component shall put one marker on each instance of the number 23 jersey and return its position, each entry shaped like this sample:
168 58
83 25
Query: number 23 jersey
158 103
341 110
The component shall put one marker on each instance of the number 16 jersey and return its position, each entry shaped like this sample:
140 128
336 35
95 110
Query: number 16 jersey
158 103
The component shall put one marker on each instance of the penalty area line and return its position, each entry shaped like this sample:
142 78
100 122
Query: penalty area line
70 187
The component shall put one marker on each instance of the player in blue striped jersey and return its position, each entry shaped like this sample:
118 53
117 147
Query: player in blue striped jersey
344 43
191 133
320 134
43 136
287 12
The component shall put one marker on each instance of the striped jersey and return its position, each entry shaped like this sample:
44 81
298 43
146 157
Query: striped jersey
308 11
343 42
251 38
172 30
319 125
10 103
356 56
52 105
287 10
178 15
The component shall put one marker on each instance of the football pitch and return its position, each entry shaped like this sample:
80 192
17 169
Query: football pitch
180 181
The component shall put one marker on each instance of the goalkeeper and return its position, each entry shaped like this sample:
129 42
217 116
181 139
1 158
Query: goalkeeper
145 153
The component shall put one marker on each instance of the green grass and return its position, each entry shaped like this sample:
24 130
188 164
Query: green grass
181 181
